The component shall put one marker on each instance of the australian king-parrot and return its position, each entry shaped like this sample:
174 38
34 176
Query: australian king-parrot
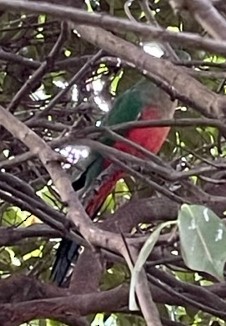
143 101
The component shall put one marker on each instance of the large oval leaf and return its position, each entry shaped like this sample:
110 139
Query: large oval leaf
203 240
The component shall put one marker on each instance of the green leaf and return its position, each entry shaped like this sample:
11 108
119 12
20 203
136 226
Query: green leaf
143 255
13 216
49 198
203 239
5 260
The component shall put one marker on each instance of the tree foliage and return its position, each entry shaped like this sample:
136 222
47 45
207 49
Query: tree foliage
61 69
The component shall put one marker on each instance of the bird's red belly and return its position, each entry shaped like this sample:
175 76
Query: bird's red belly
150 138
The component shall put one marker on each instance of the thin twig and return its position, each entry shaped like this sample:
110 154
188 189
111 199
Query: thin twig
80 74
40 72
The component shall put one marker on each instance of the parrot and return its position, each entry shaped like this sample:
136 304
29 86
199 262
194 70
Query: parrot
143 101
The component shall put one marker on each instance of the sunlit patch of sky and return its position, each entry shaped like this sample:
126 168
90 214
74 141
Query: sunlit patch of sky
98 321
97 86
75 93
73 153
39 94
153 49
101 103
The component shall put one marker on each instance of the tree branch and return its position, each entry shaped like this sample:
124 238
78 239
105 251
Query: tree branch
115 24
76 213
208 17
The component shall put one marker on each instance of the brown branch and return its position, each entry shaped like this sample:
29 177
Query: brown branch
168 50
24 191
76 213
27 200
50 301
208 17
115 24
162 169
146 210
9 236
196 95
207 306
39 73
79 75
58 142
155 164
172 78
33 299
18 306
185 122
43 123
148 180
197 293
76 305
89 130
34 210
34 64
27 288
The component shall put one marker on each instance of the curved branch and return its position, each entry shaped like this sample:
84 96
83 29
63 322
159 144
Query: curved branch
208 17
115 24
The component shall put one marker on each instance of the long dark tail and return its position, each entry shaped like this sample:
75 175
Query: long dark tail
67 252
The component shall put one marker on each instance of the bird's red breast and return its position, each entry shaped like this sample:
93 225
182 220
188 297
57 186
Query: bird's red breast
151 138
